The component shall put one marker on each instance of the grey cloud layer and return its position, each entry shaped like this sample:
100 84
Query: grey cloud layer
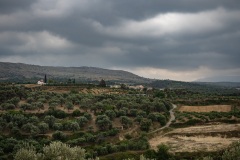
177 35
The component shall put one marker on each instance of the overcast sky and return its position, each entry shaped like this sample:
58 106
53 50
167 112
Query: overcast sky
163 39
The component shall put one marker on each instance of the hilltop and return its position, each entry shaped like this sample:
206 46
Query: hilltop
21 72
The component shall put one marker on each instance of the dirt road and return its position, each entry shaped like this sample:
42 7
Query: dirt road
172 117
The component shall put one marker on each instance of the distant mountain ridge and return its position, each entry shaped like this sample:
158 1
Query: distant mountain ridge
221 79
21 71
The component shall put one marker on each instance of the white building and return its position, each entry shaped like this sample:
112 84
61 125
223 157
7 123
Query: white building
140 87
41 82
115 86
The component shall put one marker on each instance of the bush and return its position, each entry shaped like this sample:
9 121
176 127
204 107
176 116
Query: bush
88 116
145 124
82 121
163 152
150 154
43 127
103 122
193 122
27 106
121 156
57 113
57 126
7 106
161 119
58 135
76 113
232 153
71 126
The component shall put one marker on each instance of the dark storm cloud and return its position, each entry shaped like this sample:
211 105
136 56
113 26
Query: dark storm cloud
175 35
9 6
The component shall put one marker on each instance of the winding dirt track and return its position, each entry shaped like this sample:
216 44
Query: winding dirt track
172 117
196 138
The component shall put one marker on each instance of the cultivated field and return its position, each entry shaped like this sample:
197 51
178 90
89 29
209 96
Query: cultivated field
199 138
210 108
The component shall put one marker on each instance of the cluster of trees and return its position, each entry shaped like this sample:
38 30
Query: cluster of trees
59 150
90 120
73 112
195 97
135 145
18 123
143 110
53 151
10 96
192 118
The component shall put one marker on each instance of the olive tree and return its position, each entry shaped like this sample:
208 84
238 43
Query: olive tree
103 122
7 106
54 151
69 105
126 122
30 128
145 124
82 121
43 127
58 135
71 126
26 153
50 120
111 114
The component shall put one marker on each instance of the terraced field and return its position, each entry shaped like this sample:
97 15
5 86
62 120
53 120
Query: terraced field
199 138
210 108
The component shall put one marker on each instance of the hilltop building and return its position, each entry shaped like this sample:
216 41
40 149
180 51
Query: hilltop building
115 86
138 87
41 82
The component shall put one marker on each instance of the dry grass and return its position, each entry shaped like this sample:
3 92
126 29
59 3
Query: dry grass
210 108
179 142
194 144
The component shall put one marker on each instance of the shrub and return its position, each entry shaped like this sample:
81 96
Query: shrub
163 152
57 126
88 116
7 106
232 153
82 121
57 113
58 135
76 113
43 127
145 124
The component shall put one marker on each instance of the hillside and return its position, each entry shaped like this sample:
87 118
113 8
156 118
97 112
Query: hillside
222 78
222 84
21 72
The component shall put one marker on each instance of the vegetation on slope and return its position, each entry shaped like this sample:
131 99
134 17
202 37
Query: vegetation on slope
19 72
102 123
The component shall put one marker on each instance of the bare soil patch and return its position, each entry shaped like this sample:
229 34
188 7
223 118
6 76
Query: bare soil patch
210 108
194 144
199 139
